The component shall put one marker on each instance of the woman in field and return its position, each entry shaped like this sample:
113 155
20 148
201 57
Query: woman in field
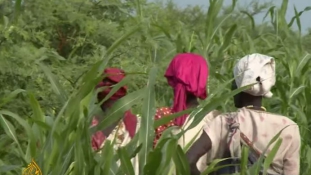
123 130
251 125
187 74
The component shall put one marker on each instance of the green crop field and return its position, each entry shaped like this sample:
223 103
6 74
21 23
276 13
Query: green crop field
52 53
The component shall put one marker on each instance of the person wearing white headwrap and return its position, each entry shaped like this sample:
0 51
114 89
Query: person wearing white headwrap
251 125
256 68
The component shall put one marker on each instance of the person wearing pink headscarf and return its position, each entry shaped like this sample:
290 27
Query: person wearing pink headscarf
187 74
127 125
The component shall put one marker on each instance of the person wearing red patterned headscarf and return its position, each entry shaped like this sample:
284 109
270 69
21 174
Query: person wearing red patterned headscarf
127 126
187 74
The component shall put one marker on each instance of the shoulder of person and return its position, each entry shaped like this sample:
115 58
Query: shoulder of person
224 116
285 119
266 112
164 108
163 111
228 114
211 115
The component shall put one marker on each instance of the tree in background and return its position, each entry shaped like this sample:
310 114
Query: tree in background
48 46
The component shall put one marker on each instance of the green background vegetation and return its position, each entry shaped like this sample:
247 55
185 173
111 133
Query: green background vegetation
52 53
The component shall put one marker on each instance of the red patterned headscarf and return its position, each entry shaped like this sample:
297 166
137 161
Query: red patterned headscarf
187 73
114 76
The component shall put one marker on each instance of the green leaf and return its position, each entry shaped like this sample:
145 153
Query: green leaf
250 17
181 163
255 169
17 9
168 151
153 162
296 92
10 96
117 110
122 39
212 166
115 88
126 164
168 118
8 168
271 155
146 131
211 104
56 86
303 63
228 38
244 159
106 162
10 131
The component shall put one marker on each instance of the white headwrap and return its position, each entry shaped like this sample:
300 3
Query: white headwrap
249 68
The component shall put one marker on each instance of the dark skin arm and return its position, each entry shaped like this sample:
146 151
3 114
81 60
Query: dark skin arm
196 151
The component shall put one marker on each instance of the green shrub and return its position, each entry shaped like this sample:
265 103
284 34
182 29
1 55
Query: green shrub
53 52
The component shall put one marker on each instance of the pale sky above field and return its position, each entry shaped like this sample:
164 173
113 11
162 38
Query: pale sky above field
300 5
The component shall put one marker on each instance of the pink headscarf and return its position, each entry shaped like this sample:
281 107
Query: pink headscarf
187 73
114 76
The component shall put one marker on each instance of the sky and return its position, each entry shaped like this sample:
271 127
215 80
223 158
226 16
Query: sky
300 5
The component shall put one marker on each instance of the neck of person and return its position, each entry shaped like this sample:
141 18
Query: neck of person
248 100
191 101
256 102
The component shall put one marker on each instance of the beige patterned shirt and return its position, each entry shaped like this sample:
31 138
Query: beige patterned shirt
260 127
